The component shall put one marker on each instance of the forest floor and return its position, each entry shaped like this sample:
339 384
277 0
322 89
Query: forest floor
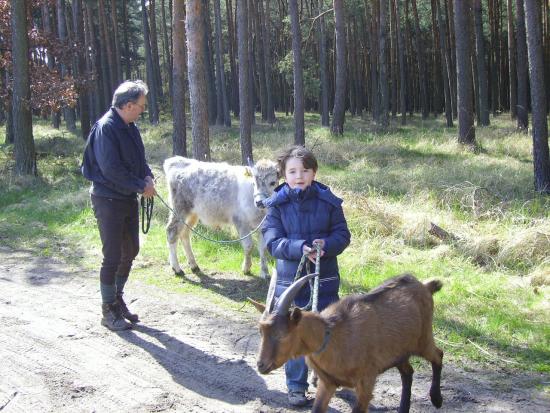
186 355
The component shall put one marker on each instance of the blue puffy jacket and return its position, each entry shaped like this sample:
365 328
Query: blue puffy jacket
297 217
114 158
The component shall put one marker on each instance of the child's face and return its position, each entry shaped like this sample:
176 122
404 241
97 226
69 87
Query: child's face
296 176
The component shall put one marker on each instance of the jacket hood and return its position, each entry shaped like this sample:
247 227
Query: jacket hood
283 194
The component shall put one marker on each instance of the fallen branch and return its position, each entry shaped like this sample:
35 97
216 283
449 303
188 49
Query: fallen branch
491 355
440 233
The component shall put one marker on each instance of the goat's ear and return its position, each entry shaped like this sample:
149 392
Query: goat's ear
295 315
259 306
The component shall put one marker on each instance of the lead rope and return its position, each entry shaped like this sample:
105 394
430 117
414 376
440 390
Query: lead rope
313 284
146 213
206 238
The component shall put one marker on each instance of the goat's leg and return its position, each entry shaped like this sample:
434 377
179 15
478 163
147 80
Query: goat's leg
364 394
325 391
264 271
435 355
406 371
173 230
190 222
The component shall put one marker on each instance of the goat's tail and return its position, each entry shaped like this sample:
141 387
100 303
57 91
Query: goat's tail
433 286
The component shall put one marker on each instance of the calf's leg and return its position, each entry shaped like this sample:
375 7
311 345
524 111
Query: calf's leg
173 230
191 221
247 244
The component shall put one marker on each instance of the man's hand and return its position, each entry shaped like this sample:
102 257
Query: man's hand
312 251
149 191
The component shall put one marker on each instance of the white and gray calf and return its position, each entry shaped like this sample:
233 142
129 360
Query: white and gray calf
217 194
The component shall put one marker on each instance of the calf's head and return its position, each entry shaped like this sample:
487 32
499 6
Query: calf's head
266 178
278 327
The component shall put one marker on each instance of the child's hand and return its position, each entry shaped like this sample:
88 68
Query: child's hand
312 251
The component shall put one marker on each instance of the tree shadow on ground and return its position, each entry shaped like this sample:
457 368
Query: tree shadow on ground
492 347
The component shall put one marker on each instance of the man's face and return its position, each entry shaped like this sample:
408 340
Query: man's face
135 109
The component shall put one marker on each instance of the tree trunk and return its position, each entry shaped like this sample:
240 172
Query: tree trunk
259 55
153 94
445 67
155 50
127 67
522 69
541 158
512 73
383 77
451 51
10 134
83 99
265 17
116 43
222 117
393 61
194 25
166 49
338 113
232 63
96 99
466 128
179 134
483 101
106 49
299 129
251 64
421 64
68 112
244 93
25 157
401 63
325 121
209 65
438 88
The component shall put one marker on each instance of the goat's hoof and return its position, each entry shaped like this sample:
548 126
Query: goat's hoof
436 398
179 273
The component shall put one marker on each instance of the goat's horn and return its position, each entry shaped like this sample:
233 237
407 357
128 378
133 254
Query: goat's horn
290 293
271 292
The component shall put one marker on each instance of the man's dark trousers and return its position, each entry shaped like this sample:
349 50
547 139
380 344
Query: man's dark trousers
118 223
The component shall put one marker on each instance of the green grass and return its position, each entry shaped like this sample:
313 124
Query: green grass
394 184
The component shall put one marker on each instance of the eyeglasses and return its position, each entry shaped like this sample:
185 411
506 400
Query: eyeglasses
142 107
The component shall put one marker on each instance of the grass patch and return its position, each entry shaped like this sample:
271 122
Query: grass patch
493 308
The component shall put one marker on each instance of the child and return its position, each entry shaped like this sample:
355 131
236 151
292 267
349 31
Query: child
301 213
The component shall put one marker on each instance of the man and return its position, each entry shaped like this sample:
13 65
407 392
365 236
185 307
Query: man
114 160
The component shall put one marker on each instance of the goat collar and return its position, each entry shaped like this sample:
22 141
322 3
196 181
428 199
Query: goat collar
326 339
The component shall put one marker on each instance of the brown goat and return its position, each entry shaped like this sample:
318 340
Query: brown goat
355 339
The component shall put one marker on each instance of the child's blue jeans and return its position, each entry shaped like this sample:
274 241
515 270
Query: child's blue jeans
296 374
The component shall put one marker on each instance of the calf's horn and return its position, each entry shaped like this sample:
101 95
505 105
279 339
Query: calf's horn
290 293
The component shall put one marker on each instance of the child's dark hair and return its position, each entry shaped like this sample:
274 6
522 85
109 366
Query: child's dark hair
296 151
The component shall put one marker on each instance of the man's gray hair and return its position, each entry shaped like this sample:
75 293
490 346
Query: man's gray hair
129 91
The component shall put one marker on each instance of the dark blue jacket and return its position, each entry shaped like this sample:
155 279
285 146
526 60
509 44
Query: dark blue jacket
114 158
297 217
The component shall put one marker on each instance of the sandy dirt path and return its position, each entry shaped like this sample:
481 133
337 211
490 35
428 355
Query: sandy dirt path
185 355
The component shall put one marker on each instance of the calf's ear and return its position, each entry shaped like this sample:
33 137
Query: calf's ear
259 306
